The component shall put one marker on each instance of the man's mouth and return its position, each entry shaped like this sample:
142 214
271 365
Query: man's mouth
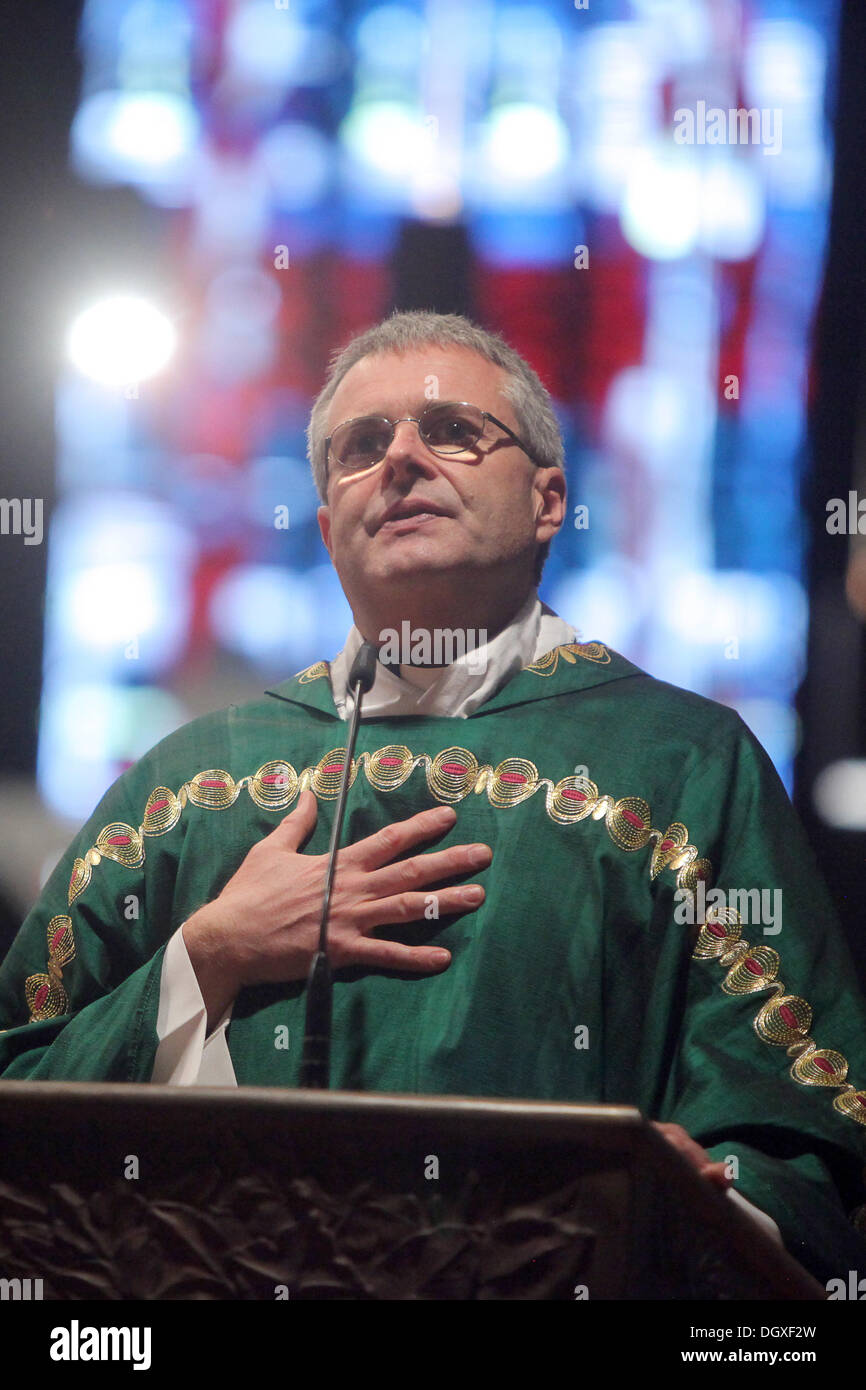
411 513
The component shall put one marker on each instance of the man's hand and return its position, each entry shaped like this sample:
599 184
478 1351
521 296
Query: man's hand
697 1157
264 925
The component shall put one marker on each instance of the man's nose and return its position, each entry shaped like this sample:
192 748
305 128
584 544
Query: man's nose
407 448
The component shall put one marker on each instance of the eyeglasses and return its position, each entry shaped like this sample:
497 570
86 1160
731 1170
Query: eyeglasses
448 428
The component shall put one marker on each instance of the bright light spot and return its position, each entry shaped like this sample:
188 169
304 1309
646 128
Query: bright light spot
106 604
388 136
764 612
732 209
660 212
839 794
121 340
524 142
133 135
676 202
151 129
119 575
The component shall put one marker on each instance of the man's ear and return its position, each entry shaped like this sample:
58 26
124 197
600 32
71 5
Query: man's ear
323 516
551 486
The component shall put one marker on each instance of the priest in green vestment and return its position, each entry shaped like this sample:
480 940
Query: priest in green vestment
561 878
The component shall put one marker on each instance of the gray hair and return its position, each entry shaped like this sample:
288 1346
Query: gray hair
415 328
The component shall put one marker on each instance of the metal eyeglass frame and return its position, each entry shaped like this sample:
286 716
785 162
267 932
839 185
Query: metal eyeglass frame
416 420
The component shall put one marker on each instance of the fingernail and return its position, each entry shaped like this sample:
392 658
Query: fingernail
480 854
441 957
473 894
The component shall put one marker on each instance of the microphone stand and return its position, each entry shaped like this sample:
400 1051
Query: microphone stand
316 1058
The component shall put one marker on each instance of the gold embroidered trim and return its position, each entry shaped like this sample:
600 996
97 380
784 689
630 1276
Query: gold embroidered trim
46 997
452 775
590 651
313 673
783 1020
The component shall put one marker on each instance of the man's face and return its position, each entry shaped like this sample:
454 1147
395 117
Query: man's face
482 512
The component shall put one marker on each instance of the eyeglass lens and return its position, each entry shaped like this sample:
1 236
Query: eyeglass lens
445 427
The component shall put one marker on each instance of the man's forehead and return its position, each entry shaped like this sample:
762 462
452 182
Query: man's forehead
389 381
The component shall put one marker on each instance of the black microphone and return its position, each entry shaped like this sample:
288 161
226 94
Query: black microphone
316 1059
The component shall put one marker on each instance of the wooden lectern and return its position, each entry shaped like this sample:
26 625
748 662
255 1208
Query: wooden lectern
155 1192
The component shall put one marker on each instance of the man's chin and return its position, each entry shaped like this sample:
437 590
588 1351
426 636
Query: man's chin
409 555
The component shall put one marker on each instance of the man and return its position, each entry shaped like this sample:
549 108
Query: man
552 944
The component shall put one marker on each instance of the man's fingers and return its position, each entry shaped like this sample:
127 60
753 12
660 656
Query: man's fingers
433 867
412 907
717 1174
294 828
385 845
378 849
393 955
714 1171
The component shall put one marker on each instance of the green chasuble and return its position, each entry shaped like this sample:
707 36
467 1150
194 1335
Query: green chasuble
612 802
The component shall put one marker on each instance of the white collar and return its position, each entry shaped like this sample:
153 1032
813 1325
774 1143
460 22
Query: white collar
458 689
